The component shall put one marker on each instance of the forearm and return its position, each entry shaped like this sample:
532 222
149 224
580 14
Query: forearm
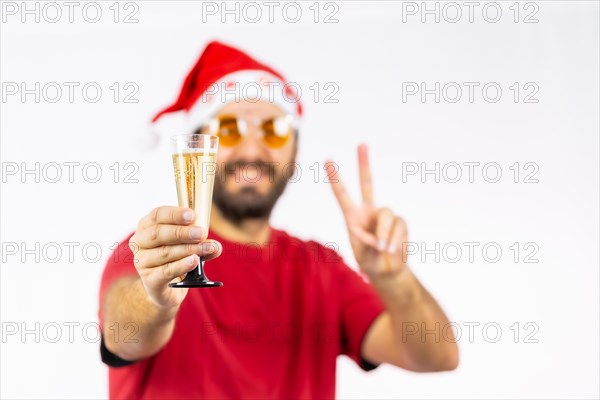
424 341
134 327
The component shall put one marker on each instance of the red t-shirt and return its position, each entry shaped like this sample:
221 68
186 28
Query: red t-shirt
274 330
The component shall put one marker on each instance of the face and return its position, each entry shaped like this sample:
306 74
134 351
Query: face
251 176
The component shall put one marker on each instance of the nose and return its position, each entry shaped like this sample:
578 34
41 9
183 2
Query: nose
251 147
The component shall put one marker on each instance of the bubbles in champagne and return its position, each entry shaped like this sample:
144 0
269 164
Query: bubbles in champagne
195 171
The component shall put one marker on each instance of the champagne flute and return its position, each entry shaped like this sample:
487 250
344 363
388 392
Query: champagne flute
195 162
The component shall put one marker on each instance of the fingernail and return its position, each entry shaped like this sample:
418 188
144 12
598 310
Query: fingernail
190 260
188 216
207 247
392 248
381 244
196 233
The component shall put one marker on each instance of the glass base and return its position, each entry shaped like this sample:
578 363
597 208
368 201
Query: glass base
192 284
196 279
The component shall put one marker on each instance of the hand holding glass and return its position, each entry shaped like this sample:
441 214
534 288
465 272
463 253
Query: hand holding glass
195 162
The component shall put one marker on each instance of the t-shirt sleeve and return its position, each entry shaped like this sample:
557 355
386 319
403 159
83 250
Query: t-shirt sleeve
119 264
359 306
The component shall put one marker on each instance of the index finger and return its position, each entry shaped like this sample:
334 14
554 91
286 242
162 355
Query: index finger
169 215
366 183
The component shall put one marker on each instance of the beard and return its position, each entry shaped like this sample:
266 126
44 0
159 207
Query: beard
248 202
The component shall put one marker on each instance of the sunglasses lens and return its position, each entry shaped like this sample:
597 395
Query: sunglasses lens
230 130
227 129
277 131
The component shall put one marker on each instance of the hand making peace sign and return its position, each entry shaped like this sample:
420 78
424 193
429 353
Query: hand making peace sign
378 237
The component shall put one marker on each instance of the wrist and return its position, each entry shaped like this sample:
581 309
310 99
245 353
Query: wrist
166 314
390 279
398 290
162 313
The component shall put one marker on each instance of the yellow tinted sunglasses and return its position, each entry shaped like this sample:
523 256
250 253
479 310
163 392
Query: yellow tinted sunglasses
231 129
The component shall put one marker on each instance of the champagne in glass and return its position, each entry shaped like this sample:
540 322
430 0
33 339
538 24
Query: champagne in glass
194 163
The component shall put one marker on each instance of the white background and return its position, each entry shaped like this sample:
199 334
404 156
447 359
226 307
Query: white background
368 54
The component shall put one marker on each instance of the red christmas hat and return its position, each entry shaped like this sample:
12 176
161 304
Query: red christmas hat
223 74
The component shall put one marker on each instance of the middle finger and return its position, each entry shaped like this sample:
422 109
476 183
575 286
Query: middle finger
162 234
170 253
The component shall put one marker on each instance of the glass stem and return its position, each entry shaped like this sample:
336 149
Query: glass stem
200 268
197 274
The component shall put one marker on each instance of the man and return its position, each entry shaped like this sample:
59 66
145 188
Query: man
288 308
